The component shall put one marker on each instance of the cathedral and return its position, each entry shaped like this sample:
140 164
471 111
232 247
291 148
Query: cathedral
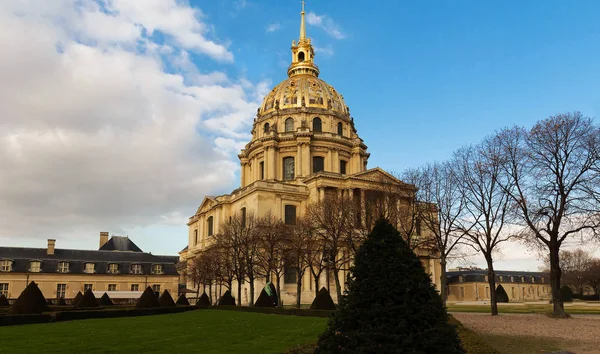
304 146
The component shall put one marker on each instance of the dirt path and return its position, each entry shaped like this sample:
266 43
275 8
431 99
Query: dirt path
580 335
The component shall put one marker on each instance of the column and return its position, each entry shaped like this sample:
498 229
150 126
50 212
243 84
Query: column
305 159
321 193
329 163
335 164
267 162
299 161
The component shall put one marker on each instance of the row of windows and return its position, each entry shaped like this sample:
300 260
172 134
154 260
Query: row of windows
61 289
63 267
317 126
318 165
501 278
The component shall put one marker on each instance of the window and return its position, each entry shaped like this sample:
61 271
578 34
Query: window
35 266
290 275
4 289
63 267
243 212
113 268
317 125
266 128
288 168
486 278
61 291
343 167
136 269
301 56
522 279
135 287
462 293
340 129
290 215
87 287
112 287
89 268
542 279
5 265
195 236
461 279
418 228
289 125
500 278
318 164
209 225
512 279
157 269
156 288
533 279
514 292
262 170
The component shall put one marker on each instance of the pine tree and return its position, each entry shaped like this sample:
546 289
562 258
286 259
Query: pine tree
501 295
390 304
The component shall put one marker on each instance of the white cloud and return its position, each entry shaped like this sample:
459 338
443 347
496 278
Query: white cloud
326 51
273 27
326 23
106 126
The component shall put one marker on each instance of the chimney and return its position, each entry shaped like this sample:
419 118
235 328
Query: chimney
51 244
103 238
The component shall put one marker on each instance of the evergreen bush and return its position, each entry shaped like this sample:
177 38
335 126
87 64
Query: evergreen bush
30 301
390 304
3 301
165 300
147 300
566 294
203 301
76 298
105 300
182 300
323 301
227 299
87 300
501 295
264 300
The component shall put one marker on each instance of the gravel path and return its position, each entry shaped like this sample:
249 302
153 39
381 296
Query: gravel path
584 330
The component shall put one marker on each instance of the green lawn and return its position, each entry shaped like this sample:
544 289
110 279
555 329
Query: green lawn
526 308
200 331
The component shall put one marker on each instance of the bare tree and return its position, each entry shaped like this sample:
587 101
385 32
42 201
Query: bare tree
574 266
298 247
271 241
442 209
487 206
194 273
592 276
554 168
332 220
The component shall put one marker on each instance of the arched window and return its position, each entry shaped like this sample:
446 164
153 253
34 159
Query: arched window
317 126
301 56
266 127
209 226
288 168
340 129
289 125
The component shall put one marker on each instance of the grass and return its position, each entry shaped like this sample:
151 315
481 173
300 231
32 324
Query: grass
526 308
206 331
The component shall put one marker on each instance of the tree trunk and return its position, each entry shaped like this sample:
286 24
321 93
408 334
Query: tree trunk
210 292
558 308
279 303
443 288
298 288
239 293
492 285
338 287
251 292
316 279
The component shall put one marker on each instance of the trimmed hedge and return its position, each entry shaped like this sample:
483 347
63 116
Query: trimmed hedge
264 300
501 295
15 320
203 301
87 300
166 300
277 311
30 301
566 294
3 301
227 299
147 300
182 301
76 299
105 300
61 302
323 301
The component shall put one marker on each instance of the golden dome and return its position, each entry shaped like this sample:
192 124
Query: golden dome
304 90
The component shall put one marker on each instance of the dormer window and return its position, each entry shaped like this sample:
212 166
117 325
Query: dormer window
89 268
35 266
512 279
533 279
522 279
113 268
63 267
6 265
157 269
500 278
542 279
461 279
136 269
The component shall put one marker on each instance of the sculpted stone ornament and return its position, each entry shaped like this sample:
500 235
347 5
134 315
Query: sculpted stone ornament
277 104
303 102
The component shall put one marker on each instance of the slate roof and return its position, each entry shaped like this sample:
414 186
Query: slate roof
478 275
21 257
120 243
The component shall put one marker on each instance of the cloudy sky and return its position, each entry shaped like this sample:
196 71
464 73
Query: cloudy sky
121 115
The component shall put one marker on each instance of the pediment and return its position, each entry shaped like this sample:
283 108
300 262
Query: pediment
377 175
206 204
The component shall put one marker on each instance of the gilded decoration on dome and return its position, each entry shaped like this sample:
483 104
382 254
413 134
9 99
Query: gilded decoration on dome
290 95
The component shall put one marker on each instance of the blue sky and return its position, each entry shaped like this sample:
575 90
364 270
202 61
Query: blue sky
121 116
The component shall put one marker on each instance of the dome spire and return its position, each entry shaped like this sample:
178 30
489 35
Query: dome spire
302 25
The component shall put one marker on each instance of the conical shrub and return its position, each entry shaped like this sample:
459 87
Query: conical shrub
182 300
87 300
203 301
3 301
76 298
501 295
390 304
264 300
147 300
323 301
105 300
30 301
166 300
61 302
49 302
227 299
566 293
